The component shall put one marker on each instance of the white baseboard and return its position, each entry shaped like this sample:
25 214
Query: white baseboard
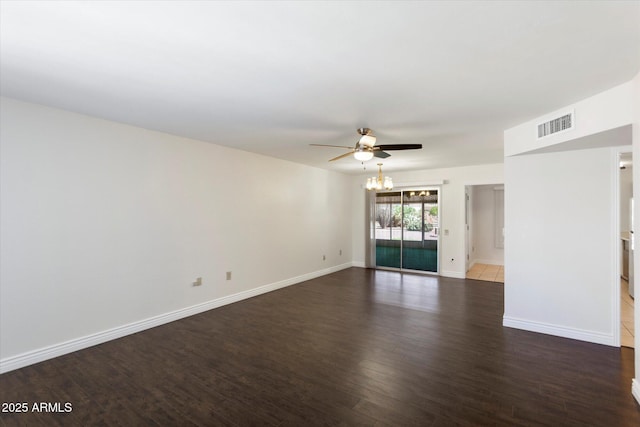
635 389
454 274
359 264
488 261
559 331
42 354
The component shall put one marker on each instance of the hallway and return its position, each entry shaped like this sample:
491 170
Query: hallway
627 332
486 272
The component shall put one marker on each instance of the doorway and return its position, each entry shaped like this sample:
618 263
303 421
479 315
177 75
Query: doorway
627 294
484 232
407 230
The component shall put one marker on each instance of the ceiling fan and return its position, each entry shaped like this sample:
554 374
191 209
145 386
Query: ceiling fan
365 149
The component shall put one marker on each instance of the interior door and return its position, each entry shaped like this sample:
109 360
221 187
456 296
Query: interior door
467 226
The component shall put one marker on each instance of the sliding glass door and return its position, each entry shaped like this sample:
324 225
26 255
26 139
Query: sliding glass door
407 230
388 229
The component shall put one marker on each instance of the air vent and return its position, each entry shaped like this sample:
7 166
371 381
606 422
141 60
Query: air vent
560 124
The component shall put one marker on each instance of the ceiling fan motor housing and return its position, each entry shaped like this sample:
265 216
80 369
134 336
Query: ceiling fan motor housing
367 139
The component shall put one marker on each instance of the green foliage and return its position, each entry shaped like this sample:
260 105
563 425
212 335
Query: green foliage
412 223
432 218
412 218
393 217
397 216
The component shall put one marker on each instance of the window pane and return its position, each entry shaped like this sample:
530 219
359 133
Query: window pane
412 222
431 221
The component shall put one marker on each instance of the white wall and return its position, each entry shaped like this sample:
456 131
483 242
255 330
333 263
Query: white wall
636 220
610 109
483 225
106 225
452 207
559 252
561 244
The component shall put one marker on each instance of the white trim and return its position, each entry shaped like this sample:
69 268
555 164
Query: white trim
560 331
359 264
371 250
615 235
471 264
410 185
498 219
487 261
454 274
468 231
42 354
635 389
419 185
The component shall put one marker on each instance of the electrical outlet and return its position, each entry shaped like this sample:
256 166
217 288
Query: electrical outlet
340 251
324 257
198 282
228 275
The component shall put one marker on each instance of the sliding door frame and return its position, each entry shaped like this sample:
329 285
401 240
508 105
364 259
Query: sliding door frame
372 244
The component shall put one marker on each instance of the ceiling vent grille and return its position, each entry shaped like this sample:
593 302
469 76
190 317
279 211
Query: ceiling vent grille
560 124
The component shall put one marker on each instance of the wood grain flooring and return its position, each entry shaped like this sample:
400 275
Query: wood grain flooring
357 347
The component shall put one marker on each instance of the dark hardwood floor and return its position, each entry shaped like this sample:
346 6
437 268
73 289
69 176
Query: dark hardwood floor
357 347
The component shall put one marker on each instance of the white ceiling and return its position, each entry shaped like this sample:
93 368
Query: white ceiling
273 77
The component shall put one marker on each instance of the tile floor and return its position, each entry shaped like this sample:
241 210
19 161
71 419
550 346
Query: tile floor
626 315
488 272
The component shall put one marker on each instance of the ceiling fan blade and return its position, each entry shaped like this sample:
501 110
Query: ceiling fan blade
336 146
342 156
381 154
389 147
